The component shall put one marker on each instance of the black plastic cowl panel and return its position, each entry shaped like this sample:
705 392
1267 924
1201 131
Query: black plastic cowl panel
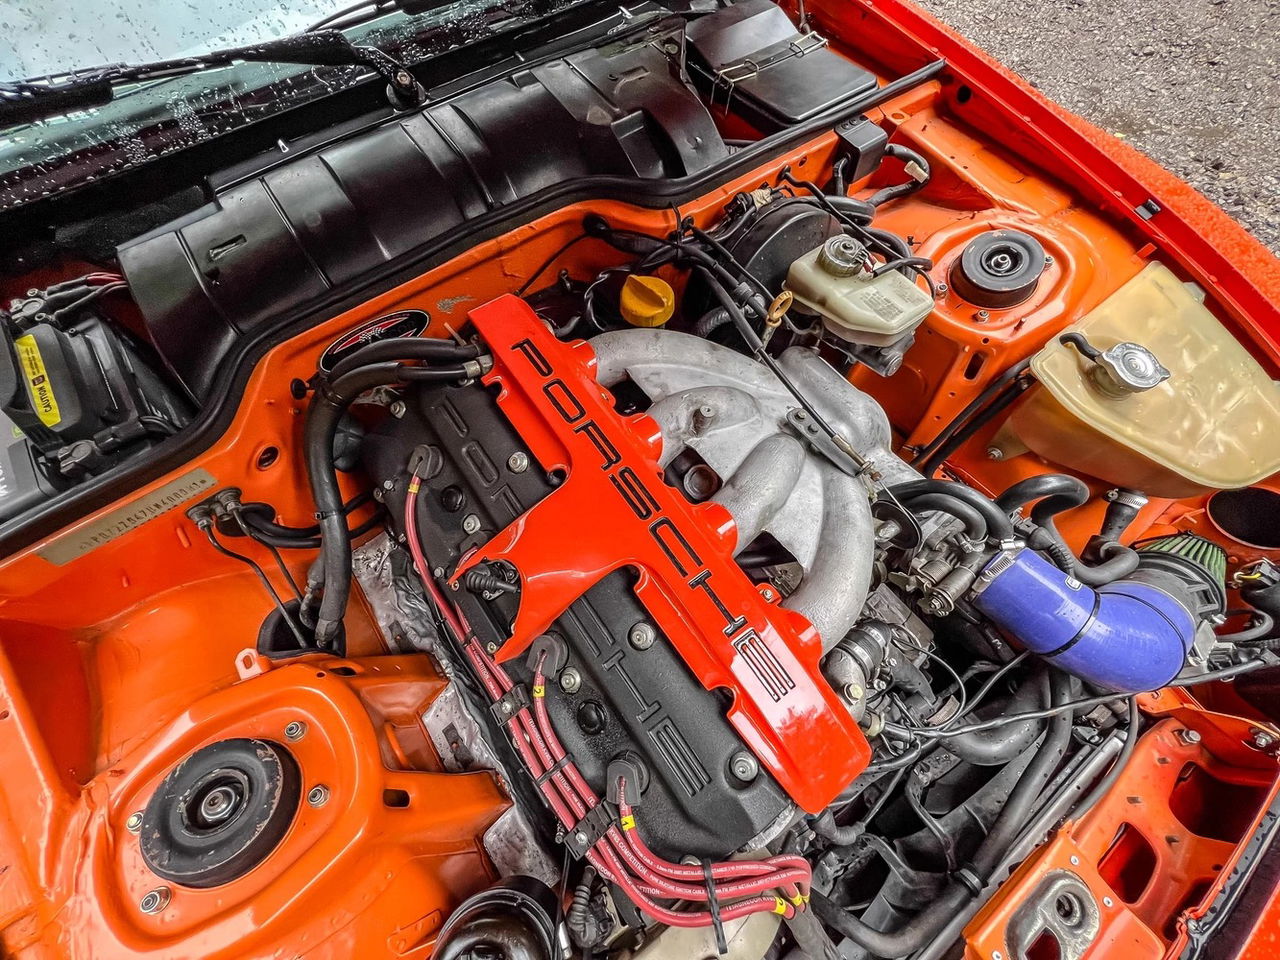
273 242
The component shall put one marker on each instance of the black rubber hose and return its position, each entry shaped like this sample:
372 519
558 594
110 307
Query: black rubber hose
1259 629
327 407
427 349
928 458
999 745
929 922
899 190
999 525
282 532
311 543
975 524
1062 492
859 211
1056 493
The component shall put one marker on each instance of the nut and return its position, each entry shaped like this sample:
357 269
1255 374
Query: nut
744 766
153 901
570 680
134 823
1263 740
295 730
518 462
398 409
470 523
642 635
318 795
1189 737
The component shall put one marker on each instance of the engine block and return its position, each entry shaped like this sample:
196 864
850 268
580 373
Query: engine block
676 658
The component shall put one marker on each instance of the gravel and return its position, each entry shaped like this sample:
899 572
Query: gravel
1194 84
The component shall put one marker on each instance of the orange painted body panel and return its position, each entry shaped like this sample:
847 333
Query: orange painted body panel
122 661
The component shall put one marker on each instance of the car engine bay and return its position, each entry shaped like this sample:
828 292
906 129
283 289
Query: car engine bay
762 552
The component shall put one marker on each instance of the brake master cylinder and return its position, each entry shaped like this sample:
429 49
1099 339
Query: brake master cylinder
858 301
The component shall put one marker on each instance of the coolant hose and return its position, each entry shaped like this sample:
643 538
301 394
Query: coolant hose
327 407
998 745
426 349
929 922
975 525
1058 492
999 526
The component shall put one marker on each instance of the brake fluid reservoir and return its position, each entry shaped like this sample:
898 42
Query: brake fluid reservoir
1150 391
838 281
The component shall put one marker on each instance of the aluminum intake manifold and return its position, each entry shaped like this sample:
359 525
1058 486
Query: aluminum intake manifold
732 411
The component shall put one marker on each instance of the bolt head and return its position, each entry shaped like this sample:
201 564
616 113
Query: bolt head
1262 740
995 453
854 691
470 523
404 78
982 316
518 462
744 766
153 901
1108 902
398 409
570 680
295 730
134 823
580 837
318 795
642 635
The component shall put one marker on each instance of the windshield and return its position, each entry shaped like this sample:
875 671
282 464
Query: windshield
156 118
39 37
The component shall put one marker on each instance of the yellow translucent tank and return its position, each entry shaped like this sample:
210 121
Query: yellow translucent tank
1214 423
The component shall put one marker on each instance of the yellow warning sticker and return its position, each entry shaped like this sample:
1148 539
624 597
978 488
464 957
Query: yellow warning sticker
38 384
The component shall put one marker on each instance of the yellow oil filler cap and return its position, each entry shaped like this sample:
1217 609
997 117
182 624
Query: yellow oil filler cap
646 301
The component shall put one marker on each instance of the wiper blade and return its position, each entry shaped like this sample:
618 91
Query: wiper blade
24 101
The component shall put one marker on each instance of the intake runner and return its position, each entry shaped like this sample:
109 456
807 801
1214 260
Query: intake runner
614 511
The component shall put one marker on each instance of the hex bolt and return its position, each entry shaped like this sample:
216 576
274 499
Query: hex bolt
518 462
1262 740
1189 737
134 823
642 635
470 523
767 593
853 692
995 453
744 766
295 730
398 409
982 316
570 680
153 901
318 795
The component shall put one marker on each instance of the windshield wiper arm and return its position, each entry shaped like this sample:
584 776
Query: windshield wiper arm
24 101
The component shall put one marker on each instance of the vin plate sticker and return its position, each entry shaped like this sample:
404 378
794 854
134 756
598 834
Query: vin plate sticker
118 522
